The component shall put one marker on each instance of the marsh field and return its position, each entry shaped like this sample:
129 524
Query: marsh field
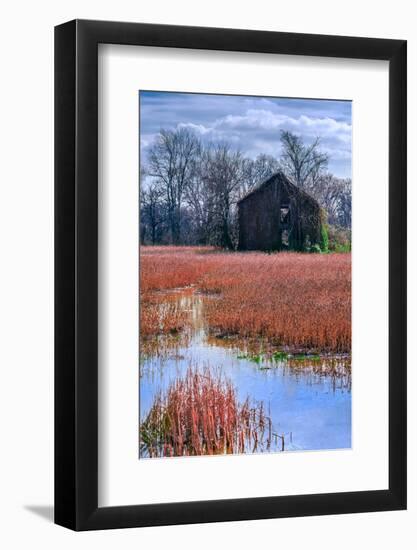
243 352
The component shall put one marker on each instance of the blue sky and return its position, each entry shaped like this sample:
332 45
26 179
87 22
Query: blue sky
251 124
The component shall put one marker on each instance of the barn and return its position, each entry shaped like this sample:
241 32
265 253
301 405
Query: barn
277 215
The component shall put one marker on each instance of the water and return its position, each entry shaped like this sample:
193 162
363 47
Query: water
308 405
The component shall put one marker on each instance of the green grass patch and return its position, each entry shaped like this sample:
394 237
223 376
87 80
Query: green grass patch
280 356
305 357
254 358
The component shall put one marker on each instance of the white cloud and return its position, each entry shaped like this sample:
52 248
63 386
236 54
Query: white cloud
197 128
253 124
268 120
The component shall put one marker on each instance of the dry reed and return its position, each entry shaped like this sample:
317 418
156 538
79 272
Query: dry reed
290 299
200 415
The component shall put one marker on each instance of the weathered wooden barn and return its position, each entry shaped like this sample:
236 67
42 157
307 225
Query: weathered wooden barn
277 215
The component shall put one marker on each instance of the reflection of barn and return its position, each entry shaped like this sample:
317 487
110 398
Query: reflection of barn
277 215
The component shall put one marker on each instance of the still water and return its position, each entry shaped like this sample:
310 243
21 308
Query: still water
309 406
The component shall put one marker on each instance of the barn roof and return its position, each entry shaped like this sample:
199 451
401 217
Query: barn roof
264 183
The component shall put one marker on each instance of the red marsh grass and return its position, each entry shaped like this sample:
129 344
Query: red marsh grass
161 314
200 415
290 299
168 267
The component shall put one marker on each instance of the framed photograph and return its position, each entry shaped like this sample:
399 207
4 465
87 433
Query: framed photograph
230 253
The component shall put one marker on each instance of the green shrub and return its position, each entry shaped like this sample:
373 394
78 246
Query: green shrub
339 239
324 238
324 234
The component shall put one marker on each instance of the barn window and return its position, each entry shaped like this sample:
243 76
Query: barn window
284 217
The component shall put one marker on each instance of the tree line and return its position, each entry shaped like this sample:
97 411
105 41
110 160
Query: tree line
189 190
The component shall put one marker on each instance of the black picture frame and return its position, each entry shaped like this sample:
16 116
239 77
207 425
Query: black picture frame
76 272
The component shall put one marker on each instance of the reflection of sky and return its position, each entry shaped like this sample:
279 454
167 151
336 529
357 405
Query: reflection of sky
252 124
316 412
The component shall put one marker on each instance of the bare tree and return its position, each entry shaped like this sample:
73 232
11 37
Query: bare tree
335 196
191 190
171 165
223 176
200 199
345 204
303 164
151 211
258 170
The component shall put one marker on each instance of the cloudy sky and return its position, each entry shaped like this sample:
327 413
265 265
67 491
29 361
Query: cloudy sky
251 124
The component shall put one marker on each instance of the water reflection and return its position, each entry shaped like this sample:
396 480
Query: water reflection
308 396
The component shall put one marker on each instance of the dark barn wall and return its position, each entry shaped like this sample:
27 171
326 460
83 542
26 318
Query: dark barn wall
260 227
259 220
